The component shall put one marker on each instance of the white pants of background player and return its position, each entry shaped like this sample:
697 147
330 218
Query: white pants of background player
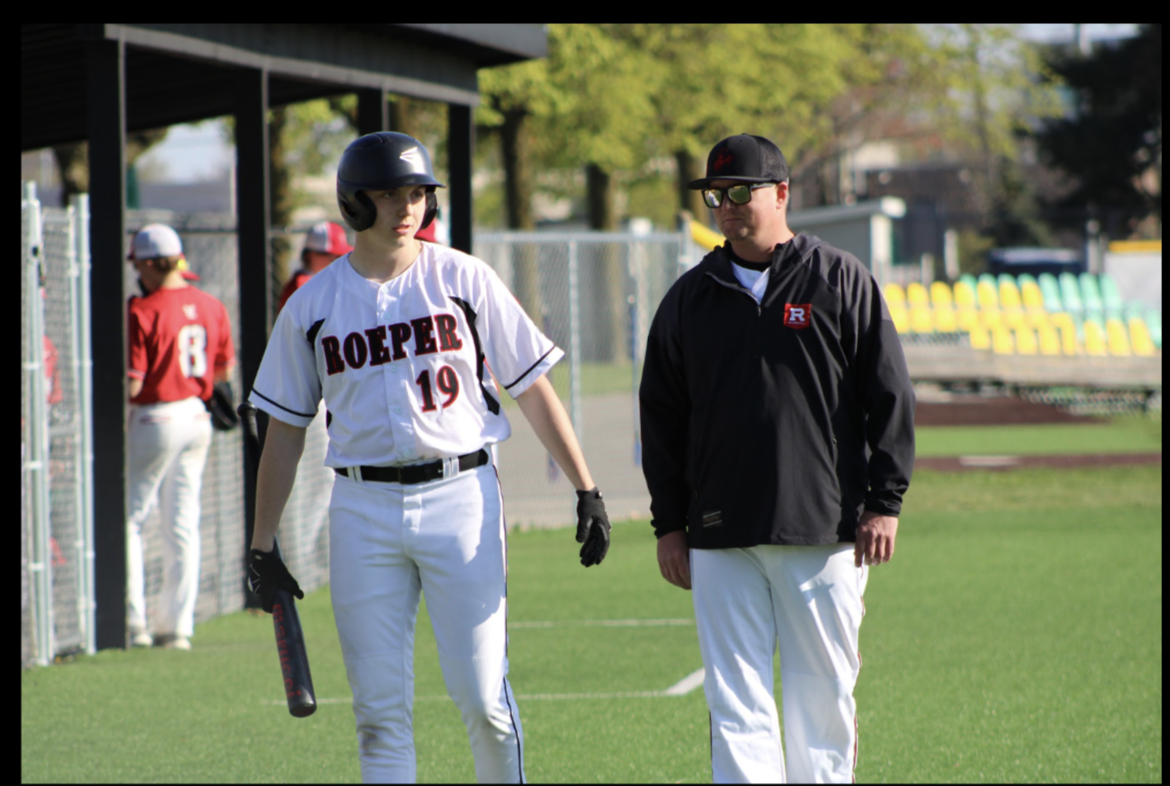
168 449
446 538
807 600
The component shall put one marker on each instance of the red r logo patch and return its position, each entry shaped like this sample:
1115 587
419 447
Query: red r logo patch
797 315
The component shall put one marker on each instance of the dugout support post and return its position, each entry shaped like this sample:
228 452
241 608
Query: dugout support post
253 214
105 85
373 113
460 151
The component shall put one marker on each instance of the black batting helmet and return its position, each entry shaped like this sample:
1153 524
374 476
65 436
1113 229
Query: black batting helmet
382 161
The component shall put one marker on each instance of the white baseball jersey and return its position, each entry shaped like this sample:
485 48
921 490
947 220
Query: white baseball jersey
406 367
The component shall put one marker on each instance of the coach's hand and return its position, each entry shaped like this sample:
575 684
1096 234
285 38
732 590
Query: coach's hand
674 558
592 527
875 539
267 575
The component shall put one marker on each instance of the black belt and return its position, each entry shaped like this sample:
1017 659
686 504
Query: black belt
416 473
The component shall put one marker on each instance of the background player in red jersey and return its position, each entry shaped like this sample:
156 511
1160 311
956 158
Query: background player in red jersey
326 241
180 346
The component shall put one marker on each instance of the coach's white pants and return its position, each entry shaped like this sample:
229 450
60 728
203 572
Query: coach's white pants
807 600
446 539
168 446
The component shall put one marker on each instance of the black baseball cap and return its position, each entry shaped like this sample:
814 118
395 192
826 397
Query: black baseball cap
745 157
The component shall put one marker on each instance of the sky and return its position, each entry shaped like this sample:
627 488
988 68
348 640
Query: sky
198 152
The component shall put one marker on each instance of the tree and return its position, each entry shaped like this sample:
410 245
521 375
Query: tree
73 159
1109 143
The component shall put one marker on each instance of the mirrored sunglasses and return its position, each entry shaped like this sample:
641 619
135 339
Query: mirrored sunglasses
739 194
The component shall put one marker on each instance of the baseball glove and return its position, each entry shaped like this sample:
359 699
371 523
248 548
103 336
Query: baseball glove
267 574
592 527
223 411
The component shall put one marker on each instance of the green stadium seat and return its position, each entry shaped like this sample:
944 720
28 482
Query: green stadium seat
1154 323
1090 294
1110 293
969 280
1051 292
1070 293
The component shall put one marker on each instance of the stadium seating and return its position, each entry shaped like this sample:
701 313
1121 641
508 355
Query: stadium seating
916 295
1002 341
1154 323
980 338
991 318
940 295
921 319
1090 294
967 319
900 316
1117 338
1110 293
1049 340
1009 294
1039 319
1095 343
1070 293
965 295
894 294
1051 292
1069 344
945 319
1026 341
1031 295
1139 338
986 292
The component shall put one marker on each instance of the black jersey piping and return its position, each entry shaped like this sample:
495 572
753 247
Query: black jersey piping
469 314
286 409
529 371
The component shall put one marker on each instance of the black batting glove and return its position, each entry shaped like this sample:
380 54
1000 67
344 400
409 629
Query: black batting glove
267 575
592 527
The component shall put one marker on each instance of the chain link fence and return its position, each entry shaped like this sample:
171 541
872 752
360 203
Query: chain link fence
56 584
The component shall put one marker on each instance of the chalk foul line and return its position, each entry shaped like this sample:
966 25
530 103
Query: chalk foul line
681 688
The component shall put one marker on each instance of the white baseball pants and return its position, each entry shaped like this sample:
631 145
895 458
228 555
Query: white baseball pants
808 601
168 444
446 539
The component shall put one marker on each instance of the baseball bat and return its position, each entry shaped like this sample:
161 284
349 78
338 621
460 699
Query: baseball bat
290 638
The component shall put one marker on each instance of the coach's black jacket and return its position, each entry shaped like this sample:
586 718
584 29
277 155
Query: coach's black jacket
777 423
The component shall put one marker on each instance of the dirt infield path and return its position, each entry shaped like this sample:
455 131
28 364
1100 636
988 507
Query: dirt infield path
967 463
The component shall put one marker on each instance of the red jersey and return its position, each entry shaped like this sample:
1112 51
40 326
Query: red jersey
179 338
292 285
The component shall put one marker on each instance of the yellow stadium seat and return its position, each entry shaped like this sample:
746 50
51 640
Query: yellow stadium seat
986 293
968 319
894 293
1015 319
1068 339
964 295
1032 296
1002 341
1049 340
1009 295
940 295
1026 341
945 320
1039 319
1062 319
901 317
1117 338
1139 338
980 338
921 320
1095 343
916 294
991 318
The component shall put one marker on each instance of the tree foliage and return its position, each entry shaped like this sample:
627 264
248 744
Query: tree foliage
1110 141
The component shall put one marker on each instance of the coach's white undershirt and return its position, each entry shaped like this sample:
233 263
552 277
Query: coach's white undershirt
756 281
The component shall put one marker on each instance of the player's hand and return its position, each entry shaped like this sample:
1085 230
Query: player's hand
592 527
674 559
267 575
875 539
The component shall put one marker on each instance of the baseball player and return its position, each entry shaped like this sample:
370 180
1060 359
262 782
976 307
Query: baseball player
180 346
777 419
411 345
325 242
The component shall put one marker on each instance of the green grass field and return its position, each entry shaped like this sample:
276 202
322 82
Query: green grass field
1125 434
1016 636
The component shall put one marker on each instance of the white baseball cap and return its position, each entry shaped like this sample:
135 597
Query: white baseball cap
327 238
156 240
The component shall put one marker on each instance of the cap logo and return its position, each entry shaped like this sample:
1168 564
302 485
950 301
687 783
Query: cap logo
722 161
797 315
189 311
415 159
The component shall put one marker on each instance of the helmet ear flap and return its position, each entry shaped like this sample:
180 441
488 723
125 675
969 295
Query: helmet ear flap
432 209
357 209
